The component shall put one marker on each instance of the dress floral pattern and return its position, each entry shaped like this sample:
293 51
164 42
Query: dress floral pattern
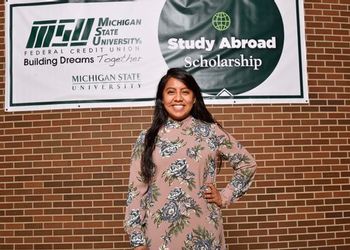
172 213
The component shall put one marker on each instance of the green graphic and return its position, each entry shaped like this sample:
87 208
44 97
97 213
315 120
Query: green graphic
221 21
230 47
43 33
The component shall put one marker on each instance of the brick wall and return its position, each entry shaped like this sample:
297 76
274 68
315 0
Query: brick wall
64 173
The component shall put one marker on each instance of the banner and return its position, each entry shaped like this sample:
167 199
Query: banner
83 54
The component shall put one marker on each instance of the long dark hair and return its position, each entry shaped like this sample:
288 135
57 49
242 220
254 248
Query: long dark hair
160 116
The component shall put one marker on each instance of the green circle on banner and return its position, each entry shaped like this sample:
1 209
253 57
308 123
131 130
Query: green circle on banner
229 46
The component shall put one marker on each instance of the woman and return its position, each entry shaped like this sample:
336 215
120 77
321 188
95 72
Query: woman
172 199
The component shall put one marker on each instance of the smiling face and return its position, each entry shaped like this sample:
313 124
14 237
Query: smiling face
178 99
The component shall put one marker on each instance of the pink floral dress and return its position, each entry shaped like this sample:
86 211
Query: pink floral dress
173 213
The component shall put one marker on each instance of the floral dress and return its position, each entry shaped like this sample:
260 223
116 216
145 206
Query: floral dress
173 213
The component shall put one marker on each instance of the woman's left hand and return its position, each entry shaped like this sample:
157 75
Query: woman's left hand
212 194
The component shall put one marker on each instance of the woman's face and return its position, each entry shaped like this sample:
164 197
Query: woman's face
177 99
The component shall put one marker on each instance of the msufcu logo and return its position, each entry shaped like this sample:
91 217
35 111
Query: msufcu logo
60 33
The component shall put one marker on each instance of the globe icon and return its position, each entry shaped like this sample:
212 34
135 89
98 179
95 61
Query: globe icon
221 21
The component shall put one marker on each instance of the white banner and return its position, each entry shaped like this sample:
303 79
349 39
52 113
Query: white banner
77 54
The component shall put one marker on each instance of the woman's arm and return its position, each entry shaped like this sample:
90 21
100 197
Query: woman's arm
243 164
135 210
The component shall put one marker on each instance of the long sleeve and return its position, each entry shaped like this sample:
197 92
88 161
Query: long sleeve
243 165
136 210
